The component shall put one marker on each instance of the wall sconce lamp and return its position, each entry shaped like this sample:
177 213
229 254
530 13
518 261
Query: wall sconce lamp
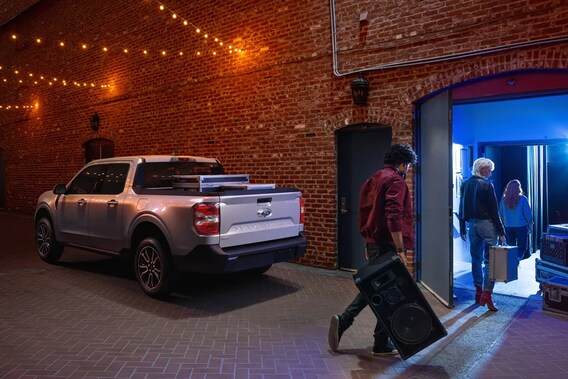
360 90
95 122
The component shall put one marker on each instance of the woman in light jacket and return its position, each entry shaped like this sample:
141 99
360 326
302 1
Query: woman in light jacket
516 215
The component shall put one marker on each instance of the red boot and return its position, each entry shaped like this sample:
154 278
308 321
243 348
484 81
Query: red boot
486 299
478 292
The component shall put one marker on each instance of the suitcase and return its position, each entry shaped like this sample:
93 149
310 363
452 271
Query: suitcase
400 306
503 263
545 270
554 248
555 295
558 229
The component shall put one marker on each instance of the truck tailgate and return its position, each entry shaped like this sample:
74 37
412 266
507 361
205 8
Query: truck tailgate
257 216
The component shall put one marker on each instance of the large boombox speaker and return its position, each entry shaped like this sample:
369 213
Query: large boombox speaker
399 305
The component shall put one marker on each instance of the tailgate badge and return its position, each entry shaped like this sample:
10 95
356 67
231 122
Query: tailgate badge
265 212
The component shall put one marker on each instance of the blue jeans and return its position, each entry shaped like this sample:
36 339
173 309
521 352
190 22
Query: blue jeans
518 236
482 235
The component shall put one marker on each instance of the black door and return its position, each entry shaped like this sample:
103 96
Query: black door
360 153
98 148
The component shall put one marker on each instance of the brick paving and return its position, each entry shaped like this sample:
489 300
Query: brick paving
87 318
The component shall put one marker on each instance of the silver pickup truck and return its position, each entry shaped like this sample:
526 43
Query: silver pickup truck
171 214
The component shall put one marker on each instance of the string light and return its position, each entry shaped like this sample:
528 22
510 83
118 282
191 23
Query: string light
18 107
85 46
50 81
198 30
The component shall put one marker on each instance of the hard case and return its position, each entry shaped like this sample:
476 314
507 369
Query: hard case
545 270
503 263
555 295
204 183
554 248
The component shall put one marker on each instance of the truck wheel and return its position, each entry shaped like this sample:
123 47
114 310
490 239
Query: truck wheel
47 247
153 268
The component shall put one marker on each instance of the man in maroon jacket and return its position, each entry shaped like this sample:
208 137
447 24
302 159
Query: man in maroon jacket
386 224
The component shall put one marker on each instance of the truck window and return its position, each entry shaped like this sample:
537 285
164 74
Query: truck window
114 179
85 182
159 174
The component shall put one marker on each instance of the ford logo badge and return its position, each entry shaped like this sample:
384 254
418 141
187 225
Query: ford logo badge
264 212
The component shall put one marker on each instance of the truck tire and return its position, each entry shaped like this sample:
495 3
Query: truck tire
47 247
153 268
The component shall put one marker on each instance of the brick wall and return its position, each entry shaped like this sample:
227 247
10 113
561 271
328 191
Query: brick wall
270 111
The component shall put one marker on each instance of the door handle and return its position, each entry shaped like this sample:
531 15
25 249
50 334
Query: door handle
82 202
112 203
343 205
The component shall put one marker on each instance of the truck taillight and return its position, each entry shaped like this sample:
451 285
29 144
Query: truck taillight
302 210
206 218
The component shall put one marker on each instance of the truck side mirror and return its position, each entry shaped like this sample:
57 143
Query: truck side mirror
59 189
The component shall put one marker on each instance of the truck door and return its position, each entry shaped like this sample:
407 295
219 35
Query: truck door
106 210
73 207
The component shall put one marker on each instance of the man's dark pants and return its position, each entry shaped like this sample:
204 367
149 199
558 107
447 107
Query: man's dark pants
359 303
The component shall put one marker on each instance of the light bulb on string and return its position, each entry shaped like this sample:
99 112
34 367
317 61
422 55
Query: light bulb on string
185 22
30 75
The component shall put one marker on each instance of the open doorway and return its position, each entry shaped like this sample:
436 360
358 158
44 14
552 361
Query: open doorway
509 114
521 136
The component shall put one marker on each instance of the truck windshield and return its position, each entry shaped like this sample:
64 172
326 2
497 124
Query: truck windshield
159 174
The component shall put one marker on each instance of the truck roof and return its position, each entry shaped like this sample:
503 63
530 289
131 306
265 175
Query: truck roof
157 158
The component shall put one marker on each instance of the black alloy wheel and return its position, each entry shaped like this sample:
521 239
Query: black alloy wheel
153 268
47 247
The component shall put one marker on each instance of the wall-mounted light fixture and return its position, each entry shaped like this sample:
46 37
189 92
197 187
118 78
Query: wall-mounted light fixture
95 122
360 90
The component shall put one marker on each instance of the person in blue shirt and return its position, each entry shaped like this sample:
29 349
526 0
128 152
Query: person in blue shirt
515 212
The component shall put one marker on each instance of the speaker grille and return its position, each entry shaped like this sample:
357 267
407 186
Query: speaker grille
411 323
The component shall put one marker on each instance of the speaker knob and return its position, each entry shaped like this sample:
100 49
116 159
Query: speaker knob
393 295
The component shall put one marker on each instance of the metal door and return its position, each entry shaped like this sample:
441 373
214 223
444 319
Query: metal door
360 153
434 224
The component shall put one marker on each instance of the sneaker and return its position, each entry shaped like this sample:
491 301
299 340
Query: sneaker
381 351
335 332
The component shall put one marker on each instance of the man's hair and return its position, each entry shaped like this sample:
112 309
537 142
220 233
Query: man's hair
399 153
480 164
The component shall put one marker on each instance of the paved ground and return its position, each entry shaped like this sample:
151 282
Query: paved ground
87 318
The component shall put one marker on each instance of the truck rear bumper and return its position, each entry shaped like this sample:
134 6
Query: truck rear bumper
214 259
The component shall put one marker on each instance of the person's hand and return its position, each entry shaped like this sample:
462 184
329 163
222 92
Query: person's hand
402 256
463 237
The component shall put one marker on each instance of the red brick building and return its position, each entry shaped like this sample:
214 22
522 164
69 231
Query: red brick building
269 101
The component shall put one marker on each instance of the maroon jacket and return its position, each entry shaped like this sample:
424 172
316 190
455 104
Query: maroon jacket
385 207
